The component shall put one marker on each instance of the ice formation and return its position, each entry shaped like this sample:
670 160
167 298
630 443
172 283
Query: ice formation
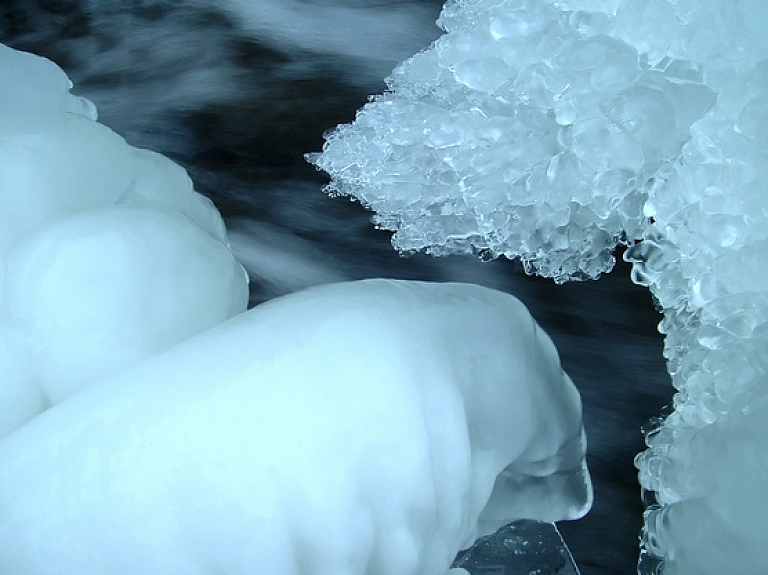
107 254
555 131
351 428
371 428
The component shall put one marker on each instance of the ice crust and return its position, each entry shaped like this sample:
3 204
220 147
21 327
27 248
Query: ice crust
107 254
350 429
555 131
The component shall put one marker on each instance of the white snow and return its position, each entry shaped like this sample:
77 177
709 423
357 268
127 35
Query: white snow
555 131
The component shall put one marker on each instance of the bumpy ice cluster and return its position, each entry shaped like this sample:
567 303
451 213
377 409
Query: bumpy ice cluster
525 131
554 131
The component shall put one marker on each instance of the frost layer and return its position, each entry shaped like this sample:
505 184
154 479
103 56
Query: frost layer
554 131
348 429
107 254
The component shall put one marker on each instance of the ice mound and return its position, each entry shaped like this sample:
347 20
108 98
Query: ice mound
554 131
352 428
107 254
375 427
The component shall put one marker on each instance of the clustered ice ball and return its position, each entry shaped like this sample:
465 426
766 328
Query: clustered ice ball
557 130
108 254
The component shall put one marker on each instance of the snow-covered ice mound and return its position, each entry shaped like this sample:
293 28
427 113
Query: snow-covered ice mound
107 253
373 427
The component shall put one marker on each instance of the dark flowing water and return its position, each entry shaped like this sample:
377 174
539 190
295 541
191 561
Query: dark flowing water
238 98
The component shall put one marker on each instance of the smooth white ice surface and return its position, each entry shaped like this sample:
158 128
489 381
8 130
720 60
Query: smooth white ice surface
107 253
353 429
371 37
99 291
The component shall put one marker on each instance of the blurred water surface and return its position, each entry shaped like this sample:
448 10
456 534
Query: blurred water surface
238 90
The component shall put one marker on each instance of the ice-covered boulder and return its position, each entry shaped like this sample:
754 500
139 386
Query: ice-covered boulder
107 253
373 427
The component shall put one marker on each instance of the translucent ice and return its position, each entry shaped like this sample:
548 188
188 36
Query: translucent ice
107 254
353 428
523 546
554 131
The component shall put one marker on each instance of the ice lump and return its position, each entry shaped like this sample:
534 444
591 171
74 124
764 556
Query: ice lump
373 427
107 253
